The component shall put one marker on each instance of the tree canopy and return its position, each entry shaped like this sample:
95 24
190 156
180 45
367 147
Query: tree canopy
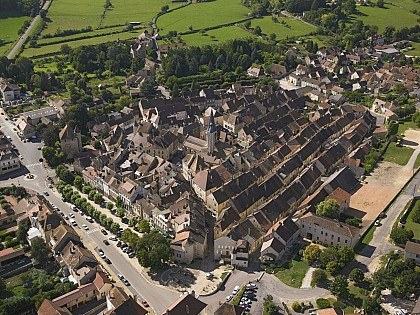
328 208
153 250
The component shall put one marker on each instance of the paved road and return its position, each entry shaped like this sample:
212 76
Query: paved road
22 39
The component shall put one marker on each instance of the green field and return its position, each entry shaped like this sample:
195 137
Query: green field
403 126
134 10
55 48
202 15
216 36
396 14
10 23
410 225
415 51
292 28
398 155
76 14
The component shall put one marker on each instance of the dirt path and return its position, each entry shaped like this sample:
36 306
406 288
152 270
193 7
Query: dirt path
306 282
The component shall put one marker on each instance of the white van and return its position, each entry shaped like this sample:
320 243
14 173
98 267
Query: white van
73 222
72 207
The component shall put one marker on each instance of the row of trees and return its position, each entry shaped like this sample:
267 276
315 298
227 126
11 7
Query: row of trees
27 7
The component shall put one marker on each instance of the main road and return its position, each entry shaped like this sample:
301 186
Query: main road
157 296
25 35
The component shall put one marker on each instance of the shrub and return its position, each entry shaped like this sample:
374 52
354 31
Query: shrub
297 307
339 304
323 303
318 276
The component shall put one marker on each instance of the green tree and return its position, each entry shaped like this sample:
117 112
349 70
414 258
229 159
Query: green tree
144 226
78 182
329 254
328 208
339 286
333 267
406 284
371 305
318 277
400 235
346 254
115 227
23 228
40 251
269 307
311 253
109 205
356 275
120 212
247 24
92 194
380 3
98 198
148 89
164 8
153 250
297 307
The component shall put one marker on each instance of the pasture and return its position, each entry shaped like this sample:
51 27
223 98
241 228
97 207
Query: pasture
291 28
55 48
10 23
216 36
396 14
202 15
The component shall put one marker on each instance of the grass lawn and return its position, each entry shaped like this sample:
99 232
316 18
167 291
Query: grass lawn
396 13
282 31
403 126
417 162
55 48
134 11
410 225
398 155
10 23
366 239
202 15
74 14
293 275
415 51
216 36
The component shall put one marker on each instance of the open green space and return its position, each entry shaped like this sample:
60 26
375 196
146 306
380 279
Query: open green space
143 11
291 28
415 51
293 272
75 14
404 125
202 15
367 237
10 23
398 155
396 14
417 162
216 36
55 48
410 225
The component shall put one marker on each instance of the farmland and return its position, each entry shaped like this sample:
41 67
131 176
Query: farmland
216 36
398 12
10 23
202 15
290 28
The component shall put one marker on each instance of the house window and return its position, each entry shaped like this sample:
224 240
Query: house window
322 232
332 236
345 241
326 234
338 239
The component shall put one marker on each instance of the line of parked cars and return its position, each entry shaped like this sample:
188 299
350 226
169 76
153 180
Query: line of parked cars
247 297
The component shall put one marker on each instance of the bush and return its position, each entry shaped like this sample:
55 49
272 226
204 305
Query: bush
400 235
339 304
323 303
297 307
318 276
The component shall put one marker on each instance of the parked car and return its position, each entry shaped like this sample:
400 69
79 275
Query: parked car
106 242
107 261
46 193
235 290
125 281
85 227
132 254
377 223
145 304
104 232
229 297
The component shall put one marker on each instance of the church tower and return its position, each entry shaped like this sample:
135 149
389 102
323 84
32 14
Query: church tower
211 135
